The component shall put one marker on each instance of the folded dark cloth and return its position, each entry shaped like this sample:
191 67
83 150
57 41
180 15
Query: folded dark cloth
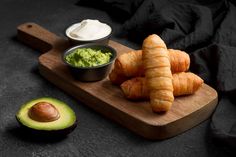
204 29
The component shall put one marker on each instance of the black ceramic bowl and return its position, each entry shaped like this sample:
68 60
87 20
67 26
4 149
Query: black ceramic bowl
74 41
89 74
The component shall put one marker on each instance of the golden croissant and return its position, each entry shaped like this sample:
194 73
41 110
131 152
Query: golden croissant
158 74
184 83
130 64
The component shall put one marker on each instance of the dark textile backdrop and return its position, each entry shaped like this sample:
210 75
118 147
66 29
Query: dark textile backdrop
204 29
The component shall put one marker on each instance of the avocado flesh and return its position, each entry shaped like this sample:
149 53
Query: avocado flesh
67 116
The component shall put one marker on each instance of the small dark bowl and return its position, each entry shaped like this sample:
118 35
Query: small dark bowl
89 74
74 41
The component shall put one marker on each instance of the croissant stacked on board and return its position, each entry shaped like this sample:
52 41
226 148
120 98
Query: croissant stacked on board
184 83
130 65
155 73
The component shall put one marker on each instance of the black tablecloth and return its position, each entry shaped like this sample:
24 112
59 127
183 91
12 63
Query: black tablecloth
206 30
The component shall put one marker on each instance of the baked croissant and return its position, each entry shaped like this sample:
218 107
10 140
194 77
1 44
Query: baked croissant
130 64
116 78
184 83
179 60
158 74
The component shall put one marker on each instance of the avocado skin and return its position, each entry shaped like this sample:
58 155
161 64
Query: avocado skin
49 134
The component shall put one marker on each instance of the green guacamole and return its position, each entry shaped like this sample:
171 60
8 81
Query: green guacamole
87 57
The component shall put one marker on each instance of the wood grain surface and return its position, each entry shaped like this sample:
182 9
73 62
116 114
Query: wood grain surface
107 99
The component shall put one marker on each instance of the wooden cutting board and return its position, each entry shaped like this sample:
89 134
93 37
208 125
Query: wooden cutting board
107 99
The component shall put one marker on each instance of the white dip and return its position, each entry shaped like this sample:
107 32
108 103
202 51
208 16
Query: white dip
88 30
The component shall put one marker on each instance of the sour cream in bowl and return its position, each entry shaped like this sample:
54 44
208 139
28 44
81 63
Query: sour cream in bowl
89 31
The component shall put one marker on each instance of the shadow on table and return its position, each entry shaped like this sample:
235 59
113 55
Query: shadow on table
217 148
25 135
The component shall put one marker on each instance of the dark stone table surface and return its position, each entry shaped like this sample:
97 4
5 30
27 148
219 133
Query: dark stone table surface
95 135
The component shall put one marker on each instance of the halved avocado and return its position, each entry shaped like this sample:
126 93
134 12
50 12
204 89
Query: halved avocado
47 116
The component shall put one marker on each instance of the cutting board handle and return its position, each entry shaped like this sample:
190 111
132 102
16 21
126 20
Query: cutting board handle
38 37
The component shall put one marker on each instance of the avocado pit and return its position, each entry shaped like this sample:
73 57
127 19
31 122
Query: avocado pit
43 112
